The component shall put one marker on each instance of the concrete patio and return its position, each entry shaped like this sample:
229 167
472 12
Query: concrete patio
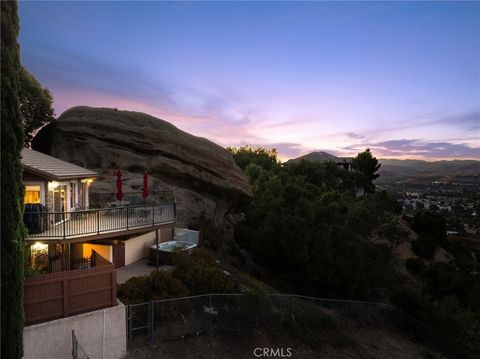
139 269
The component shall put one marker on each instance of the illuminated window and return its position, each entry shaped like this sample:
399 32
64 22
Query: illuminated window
32 194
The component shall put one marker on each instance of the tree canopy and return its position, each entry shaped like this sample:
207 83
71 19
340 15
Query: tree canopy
261 156
12 229
367 166
309 232
35 105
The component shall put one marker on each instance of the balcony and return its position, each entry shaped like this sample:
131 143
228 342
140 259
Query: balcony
98 223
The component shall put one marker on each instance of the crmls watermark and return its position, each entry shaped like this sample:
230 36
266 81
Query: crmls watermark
272 352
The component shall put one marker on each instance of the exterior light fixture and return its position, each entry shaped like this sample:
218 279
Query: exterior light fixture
52 185
38 246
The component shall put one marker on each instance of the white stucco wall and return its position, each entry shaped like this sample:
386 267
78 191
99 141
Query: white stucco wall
102 334
136 248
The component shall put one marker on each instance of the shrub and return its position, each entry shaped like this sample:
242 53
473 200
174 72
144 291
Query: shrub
415 265
202 274
157 285
424 246
165 286
135 290
430 224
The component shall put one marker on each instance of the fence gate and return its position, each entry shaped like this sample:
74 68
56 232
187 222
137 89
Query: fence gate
77 351
140 324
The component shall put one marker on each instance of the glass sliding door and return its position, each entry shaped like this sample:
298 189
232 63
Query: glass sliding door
59 201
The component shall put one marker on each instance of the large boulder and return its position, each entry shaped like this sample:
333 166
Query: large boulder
202 175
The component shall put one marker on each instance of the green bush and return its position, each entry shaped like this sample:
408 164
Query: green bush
424 246
157 285
415 265
135 290
165 286
202 274
430 224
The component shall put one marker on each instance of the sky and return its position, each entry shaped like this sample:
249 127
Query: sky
402 78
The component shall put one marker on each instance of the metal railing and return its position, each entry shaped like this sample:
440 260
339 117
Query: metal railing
101 200
59 263
63 225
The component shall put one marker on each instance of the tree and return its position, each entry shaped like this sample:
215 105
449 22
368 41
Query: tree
12 230
245 155
35 105
367 166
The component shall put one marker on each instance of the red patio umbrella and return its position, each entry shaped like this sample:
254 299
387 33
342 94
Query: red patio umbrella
145 185
119 186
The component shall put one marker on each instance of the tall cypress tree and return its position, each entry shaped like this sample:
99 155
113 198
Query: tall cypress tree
12 229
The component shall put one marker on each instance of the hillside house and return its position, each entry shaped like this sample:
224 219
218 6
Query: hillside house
69 241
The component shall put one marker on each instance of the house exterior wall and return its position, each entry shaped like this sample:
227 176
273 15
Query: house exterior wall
104 250
136 248
102 332
165 235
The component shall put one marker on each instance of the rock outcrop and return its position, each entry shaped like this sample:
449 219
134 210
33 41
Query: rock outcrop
203 176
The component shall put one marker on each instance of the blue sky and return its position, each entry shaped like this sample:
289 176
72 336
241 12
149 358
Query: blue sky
402 78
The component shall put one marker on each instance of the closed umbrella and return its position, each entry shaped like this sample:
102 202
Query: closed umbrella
119 193
145 185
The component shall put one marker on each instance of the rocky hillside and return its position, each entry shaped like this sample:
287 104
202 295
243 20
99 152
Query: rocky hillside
205 180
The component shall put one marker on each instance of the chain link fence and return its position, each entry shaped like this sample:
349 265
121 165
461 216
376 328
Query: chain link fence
172 319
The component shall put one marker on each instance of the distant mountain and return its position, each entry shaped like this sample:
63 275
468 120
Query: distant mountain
412 171
320 157
417 171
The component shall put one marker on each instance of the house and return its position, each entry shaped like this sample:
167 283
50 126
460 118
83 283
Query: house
58 185
72 248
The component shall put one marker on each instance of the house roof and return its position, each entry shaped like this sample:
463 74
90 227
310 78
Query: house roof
52 168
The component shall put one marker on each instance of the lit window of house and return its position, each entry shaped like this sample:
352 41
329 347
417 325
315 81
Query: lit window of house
32 194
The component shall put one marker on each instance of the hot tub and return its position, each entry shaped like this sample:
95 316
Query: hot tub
166 251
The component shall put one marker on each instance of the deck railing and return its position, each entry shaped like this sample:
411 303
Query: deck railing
64 225
101 200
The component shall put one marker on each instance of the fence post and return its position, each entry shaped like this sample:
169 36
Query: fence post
65 297
127 320
64 220
153 215
126 208
74 346
98 222
152 321
210 310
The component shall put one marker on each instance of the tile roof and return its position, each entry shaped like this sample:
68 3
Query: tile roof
51 167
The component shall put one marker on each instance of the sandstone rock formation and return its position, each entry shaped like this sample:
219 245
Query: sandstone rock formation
203 176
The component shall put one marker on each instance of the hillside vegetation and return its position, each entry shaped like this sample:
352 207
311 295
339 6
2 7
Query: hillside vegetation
310 233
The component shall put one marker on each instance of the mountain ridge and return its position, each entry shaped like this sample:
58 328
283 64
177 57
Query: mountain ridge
412 170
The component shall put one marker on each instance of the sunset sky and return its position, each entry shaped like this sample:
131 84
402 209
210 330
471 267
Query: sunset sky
402 78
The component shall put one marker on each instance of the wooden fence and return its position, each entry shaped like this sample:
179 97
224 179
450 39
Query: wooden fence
62 294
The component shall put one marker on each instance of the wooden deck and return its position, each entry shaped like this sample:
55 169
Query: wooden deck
99 223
